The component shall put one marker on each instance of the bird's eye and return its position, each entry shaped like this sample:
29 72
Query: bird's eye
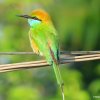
35 18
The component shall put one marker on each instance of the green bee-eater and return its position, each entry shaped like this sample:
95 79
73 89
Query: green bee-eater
44 40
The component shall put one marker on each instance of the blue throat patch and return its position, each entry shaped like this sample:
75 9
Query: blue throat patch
33 22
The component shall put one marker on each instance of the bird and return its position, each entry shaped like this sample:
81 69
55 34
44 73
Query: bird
44 40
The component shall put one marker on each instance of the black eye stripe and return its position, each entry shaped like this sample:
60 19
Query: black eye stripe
36 18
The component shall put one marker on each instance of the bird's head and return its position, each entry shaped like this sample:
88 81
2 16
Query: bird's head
37 17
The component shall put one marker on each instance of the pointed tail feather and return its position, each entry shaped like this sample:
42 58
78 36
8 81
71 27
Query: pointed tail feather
59 79
58 75
55 65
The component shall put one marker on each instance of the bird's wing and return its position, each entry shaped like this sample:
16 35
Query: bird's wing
33 44
52 39
46 41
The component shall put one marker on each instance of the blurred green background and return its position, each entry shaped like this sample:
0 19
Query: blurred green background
78 26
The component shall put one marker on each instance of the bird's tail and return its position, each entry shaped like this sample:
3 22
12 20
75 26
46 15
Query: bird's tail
57 73
55 65
58 77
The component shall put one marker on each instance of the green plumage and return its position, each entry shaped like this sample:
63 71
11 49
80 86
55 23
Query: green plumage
46 39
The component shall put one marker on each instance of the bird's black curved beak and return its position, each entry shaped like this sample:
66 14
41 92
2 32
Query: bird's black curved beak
24 16
27 16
